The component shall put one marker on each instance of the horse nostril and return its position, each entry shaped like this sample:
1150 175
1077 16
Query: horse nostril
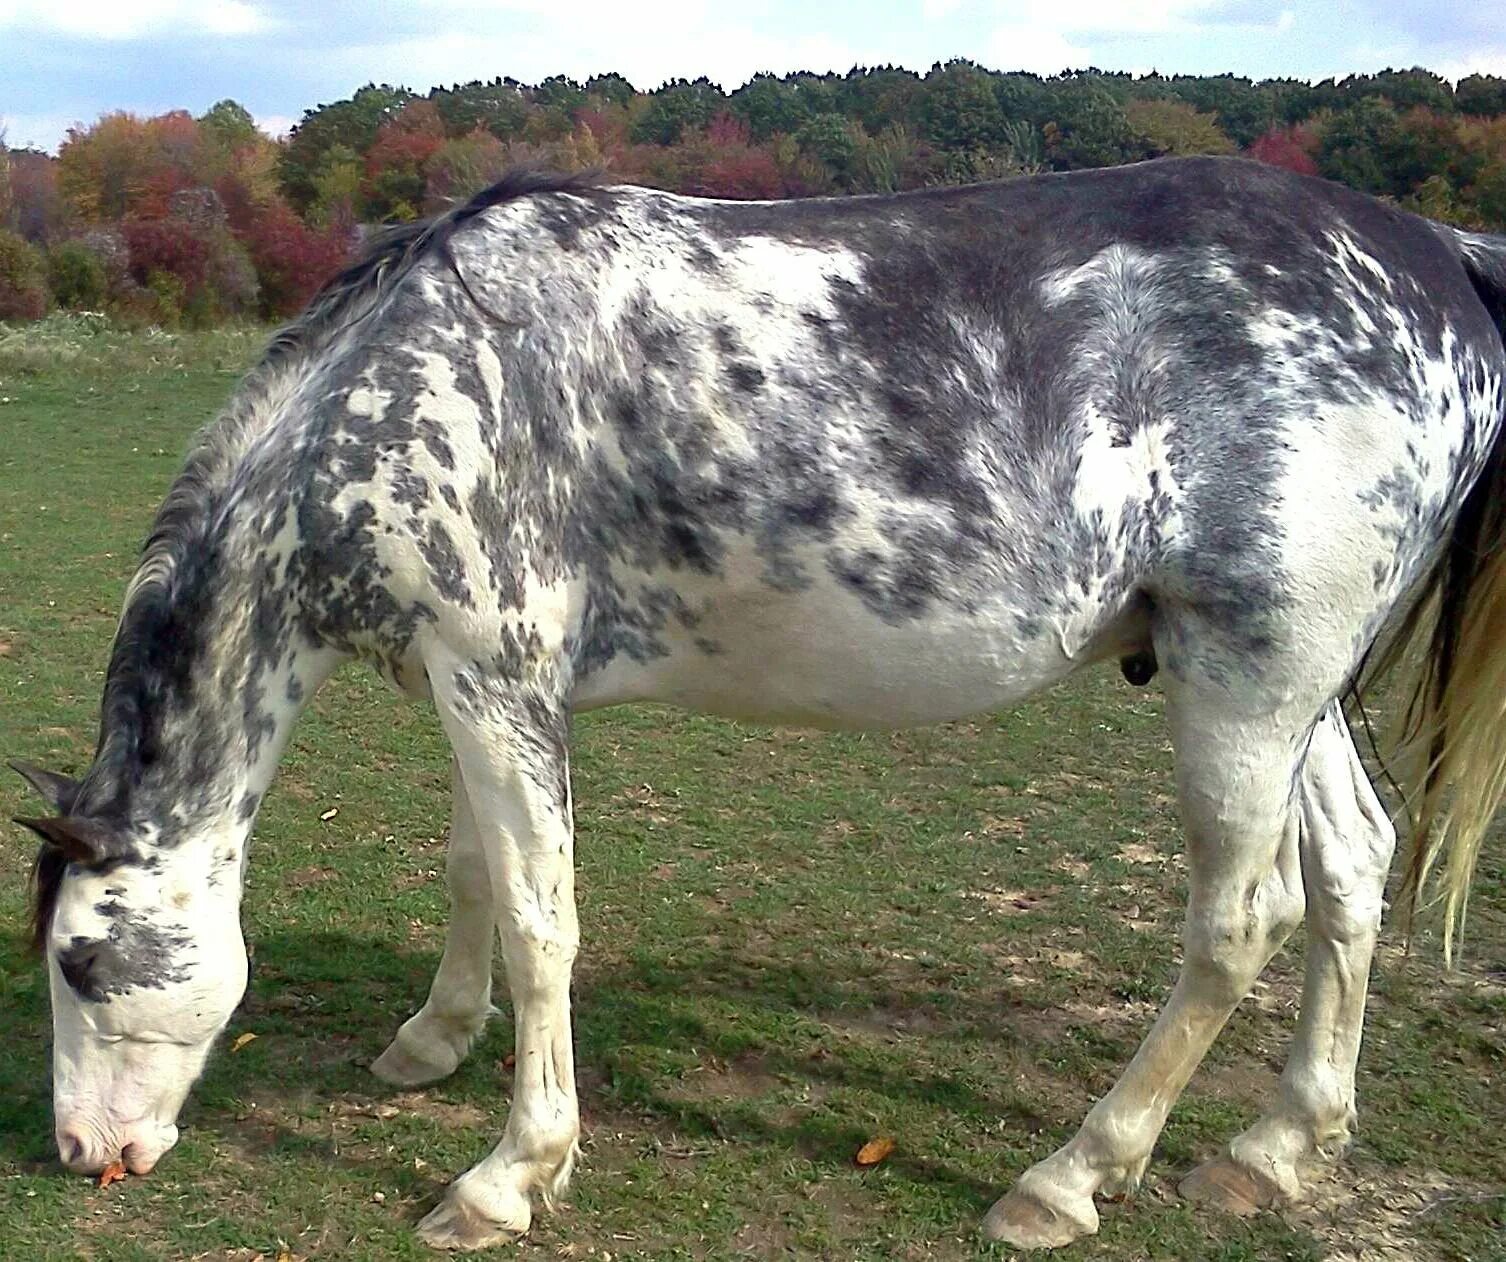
70 1148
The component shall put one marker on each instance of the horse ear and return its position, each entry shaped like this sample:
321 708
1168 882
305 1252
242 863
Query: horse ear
79 838
57 791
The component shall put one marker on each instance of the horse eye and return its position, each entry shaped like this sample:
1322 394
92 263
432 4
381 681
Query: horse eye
76 963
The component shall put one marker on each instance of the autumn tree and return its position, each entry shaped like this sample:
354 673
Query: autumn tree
353 123
4 179
1291 147
1174 127
462 166
395 180
102 169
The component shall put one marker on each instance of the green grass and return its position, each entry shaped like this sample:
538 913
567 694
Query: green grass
792 943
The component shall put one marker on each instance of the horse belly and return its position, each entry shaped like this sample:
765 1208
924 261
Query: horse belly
822 659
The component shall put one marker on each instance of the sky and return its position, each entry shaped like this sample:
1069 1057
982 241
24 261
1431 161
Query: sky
63 62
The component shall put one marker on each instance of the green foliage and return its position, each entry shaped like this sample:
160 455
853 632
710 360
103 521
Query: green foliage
834 142
498 107
230 123
679 104
1404 89
1243 110
1371 146
769 106
337 188
77 276
559 92
1089 128
23 279
385 154
1481 95
959 109
882 97
610 89
1488 194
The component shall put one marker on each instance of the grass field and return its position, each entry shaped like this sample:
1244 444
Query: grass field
792 943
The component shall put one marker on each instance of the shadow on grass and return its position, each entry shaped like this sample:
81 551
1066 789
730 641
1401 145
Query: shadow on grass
328 1002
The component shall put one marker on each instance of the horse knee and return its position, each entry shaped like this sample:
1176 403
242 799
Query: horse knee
1227 946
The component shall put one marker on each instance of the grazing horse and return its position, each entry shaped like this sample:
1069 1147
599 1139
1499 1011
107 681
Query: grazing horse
873 461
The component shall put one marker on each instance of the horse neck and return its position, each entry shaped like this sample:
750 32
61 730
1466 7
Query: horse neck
208 675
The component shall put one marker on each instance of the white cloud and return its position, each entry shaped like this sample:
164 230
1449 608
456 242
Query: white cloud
608 37
1491 61
1119 17
1034 48
275 125
38 131
133 19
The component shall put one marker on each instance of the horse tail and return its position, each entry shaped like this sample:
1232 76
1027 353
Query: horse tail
1450 743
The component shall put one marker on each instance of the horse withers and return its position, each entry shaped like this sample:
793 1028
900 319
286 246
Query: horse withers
873 461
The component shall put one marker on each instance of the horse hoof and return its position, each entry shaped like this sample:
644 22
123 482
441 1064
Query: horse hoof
460 1227
1225 1184
402 1068
1025 1221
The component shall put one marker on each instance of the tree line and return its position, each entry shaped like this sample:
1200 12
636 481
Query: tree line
177 219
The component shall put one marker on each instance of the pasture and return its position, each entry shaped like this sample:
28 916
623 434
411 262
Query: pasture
792 943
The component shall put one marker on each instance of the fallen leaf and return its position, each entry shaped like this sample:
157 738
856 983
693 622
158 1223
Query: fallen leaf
241 1040
874 1151
330 814
284 1256
115 1172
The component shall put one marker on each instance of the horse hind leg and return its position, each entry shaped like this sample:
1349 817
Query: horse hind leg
1235 769
432 1043
1346 845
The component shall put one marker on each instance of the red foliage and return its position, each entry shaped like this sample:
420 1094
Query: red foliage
728 131
37 207
1290 147
408 139
292 260
170 246
608 126
750 173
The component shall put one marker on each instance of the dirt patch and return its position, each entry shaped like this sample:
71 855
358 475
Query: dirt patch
743 1077
1366 1213
1013 902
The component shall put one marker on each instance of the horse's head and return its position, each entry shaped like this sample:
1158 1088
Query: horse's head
146 965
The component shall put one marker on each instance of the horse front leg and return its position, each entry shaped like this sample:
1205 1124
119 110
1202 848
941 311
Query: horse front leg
1347 840
509 738
432 1043
1245 896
